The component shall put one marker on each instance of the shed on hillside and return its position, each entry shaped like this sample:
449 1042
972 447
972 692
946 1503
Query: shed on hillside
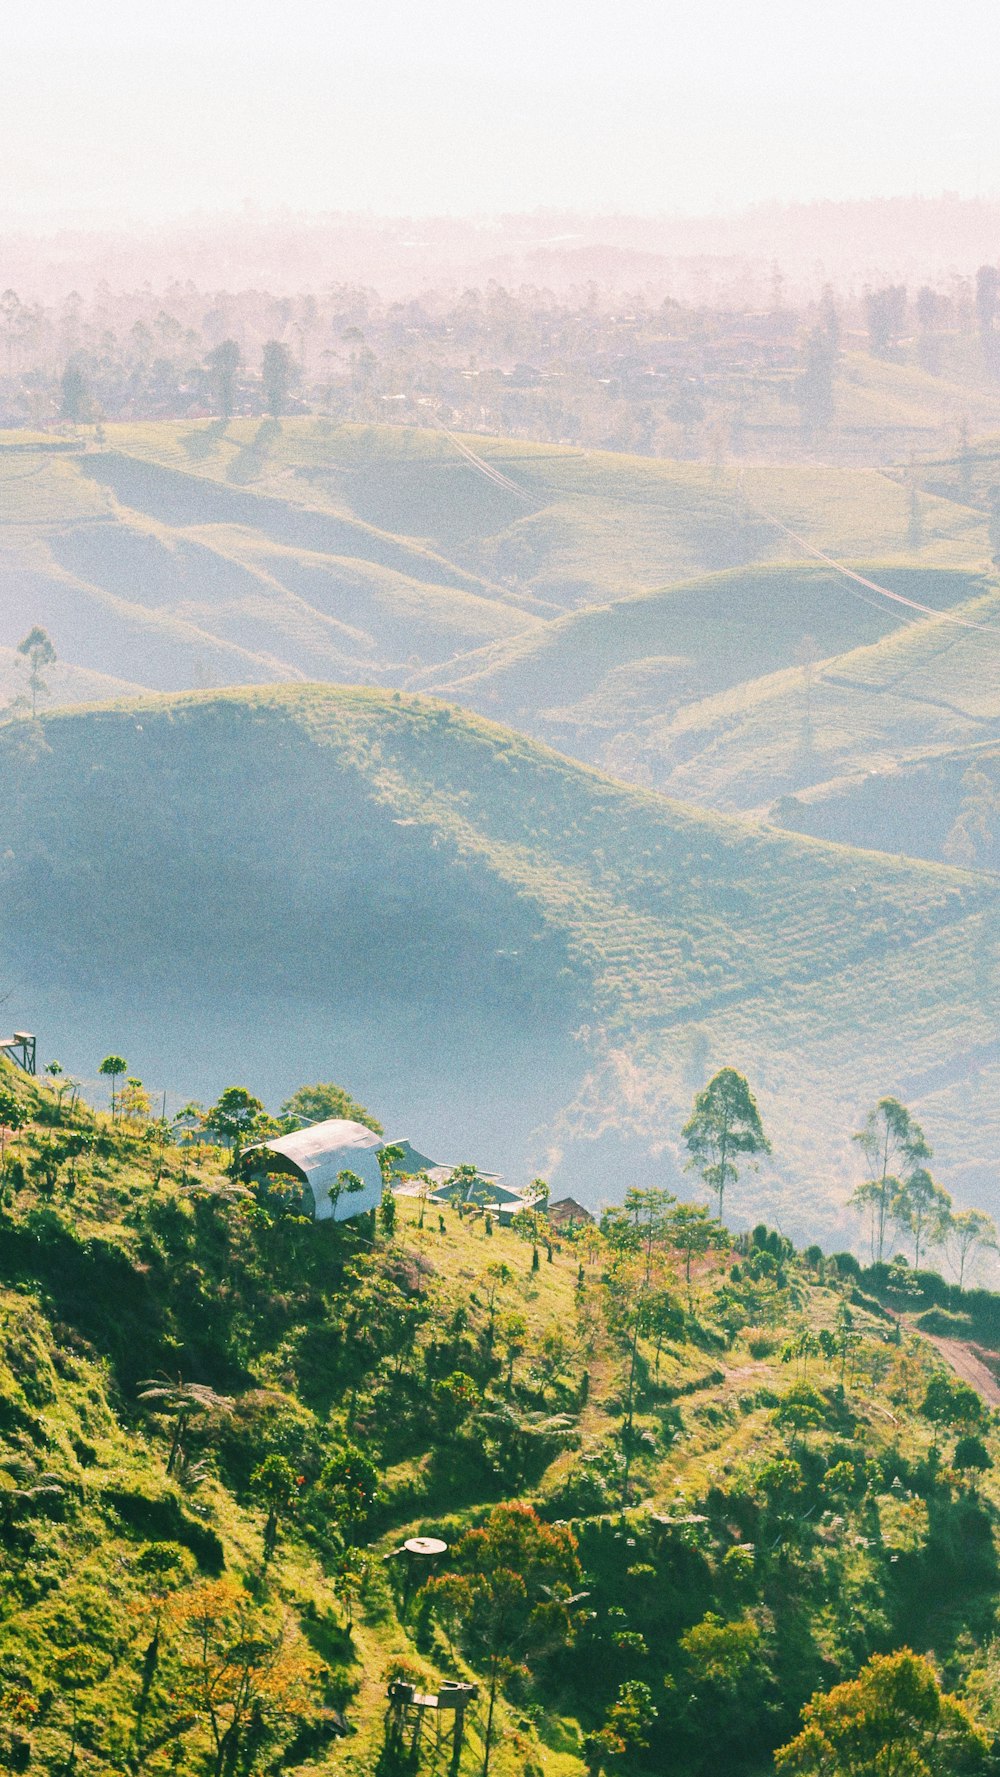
316 1156
567 1213
410 1161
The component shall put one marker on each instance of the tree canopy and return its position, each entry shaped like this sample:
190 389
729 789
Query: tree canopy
325 1099
724 1122
894 1718
893 1145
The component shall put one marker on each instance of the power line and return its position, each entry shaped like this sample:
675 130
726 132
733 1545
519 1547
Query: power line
897 598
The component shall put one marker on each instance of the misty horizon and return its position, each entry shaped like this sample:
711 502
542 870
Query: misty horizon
850 243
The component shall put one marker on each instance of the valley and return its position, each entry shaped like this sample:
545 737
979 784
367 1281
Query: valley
372 885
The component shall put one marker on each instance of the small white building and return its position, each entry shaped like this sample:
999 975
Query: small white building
317 1156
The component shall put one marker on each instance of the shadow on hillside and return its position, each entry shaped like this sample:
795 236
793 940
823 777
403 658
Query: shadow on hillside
948 1589
201 443
250 459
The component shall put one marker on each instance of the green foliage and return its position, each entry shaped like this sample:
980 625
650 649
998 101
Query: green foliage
949 1403
894 1717
508 1596
802 1408
37 650
374 1390
238 1118
276 1485
894 1147
112 1067
724 1123
387 1212
719 1653
971 1453
349 1486
923 1209
315 1104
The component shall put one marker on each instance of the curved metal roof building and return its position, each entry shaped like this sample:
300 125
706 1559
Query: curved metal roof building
317 1155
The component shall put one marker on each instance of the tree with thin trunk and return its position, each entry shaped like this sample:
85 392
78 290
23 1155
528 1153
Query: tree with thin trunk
345 1182
182 1401
648 1206
968 1231
38 651
723 1124
498 1276
238 1117
921 1208
513 1329
692 1231
238 1667
276 1485
112 1067
509 1596
893 1145
76 1671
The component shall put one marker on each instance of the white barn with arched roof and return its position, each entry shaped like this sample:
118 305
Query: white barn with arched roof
316 1156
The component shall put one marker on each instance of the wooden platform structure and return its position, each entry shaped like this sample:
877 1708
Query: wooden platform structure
443 1715
20 1048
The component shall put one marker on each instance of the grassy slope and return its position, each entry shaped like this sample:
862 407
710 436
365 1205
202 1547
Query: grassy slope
255 551
920 807
182 584
138 1269
581 676
583 525
434 906
926 687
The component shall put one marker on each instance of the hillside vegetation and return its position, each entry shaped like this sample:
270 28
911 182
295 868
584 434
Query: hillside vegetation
725 1477
640 614
315 882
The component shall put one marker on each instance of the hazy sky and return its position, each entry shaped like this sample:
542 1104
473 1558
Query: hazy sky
160 107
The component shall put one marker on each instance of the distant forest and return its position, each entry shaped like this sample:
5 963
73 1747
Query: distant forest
531 329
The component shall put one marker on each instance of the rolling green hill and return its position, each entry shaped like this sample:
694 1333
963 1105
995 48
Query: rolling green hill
196 553
928 687
640 615
598 673
736 691
570 527
484 939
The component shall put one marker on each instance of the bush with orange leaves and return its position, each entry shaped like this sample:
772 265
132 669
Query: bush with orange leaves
244 1674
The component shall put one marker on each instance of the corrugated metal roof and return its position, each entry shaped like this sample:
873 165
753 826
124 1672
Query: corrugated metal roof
323 1151
313 1147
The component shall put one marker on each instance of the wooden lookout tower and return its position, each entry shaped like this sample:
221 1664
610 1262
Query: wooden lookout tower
442 1715
20 1048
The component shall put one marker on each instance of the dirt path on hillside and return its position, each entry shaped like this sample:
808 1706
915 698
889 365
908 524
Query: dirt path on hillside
965 1363
964 1359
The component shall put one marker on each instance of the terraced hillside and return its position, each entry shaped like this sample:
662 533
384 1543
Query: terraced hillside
930 687
736 691
481 935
